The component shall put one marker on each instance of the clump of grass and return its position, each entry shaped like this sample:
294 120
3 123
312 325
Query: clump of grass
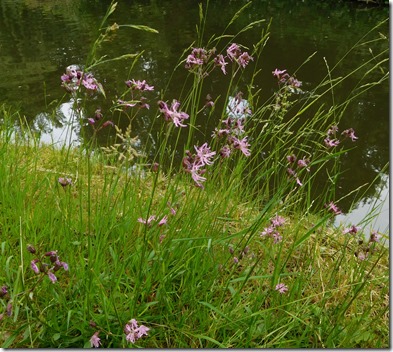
224 245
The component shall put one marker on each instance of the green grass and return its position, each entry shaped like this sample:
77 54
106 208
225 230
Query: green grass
187 288
207 277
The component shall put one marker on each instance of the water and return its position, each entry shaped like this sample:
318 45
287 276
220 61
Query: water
38 40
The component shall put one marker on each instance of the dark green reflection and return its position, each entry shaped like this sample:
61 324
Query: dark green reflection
39 39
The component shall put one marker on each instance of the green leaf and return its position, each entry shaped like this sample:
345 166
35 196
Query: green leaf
214 309
211 340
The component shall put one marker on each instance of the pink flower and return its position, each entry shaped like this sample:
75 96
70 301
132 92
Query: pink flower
134 332
292 81
197 57
222 132
225 151
64 181
95 341
244 59
193 61
303 163
267 231
220 61
233 51
196 176
278 221
147 221
281 288
142 331
351 230
172 210
139 85
163 221
277 73
3 291
276 237
299 182
171 114
242 145
291 172
204 154
350 133
375 236
332 130
194 163
333 208
64 265
89 82
291 158
331 142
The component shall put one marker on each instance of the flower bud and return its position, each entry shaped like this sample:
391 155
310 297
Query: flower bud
3 291
9 309
31 249
34 266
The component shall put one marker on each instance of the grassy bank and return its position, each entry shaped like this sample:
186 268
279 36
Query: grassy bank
218 241
205 278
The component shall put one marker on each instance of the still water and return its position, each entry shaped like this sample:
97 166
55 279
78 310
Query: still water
39 39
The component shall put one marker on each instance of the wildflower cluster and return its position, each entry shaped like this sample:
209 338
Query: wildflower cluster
234 53
195 163
153 219
363 252
233 127
74 77
201 56
352 230
198 57
287 81
136 87
242 254
271 230
299 164
39 266
288 85
93 121
332 140
134 331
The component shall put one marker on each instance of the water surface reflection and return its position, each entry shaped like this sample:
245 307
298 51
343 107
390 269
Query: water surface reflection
39 39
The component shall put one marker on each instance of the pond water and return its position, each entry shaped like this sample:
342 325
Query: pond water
39 39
